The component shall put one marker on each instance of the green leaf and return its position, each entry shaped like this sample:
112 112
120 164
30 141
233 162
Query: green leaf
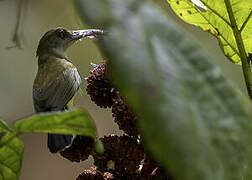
72 122
212 17
193 120
3 126
11 152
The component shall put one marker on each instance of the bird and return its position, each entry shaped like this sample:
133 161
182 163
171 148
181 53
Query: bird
57 79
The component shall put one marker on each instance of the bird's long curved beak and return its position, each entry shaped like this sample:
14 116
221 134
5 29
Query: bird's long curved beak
89 33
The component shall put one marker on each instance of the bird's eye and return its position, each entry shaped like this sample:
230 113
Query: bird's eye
61 33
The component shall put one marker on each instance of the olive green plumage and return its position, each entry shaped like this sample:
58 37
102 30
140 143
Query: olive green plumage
56 83
57 79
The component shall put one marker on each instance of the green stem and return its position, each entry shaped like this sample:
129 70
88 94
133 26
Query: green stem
243 55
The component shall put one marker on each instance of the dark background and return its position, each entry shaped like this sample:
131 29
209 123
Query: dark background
18 68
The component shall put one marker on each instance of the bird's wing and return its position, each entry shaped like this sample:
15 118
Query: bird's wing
56 95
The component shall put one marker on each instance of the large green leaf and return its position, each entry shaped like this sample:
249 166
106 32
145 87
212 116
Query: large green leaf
193 120
72 122
11 152
212 16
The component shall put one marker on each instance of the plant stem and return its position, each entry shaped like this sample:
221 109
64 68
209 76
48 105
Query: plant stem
243 55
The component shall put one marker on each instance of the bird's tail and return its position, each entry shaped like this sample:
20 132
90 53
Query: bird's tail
57 142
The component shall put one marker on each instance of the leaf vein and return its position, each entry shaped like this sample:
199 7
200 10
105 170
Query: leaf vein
245 22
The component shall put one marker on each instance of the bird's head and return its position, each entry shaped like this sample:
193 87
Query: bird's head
56 41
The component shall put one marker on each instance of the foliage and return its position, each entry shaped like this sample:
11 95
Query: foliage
75 122
11 152
193 120
11 148
212 16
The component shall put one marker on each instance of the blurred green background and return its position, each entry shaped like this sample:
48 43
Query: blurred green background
18 68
